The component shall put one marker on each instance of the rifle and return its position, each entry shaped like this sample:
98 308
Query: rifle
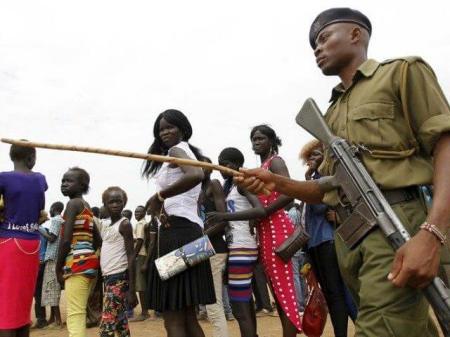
370 207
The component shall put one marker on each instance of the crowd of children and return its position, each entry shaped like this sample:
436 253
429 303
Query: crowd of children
80 245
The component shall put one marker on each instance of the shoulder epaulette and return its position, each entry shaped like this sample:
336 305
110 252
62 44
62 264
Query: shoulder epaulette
409 59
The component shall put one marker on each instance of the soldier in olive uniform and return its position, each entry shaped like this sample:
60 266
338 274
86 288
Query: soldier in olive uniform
397 114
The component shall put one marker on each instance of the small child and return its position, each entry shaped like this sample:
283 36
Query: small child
23 194
141 255
243 250
117 260
51 290
77 264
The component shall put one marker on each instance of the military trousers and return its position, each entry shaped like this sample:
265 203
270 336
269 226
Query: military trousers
383 309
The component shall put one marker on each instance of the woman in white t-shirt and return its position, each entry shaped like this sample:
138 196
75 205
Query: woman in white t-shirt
178 191
242 206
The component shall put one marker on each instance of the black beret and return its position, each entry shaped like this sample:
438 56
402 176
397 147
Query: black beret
335 15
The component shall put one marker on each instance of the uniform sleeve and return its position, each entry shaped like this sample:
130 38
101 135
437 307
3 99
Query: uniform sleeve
427 105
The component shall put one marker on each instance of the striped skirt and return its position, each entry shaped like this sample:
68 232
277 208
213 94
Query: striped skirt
241 263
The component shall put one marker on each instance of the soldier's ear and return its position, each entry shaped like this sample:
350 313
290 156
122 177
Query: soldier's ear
355 34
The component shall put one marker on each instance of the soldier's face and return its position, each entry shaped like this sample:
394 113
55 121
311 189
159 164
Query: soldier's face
333 48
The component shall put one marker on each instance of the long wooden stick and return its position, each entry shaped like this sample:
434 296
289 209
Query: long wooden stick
128 154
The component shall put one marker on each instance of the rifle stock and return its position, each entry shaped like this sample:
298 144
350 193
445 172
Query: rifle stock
368 203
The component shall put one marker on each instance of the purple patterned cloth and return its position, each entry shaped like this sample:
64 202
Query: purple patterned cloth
24 198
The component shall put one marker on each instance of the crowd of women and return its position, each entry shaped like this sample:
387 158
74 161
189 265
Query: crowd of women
243 228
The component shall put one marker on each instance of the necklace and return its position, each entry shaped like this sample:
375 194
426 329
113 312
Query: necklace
5 241
23 251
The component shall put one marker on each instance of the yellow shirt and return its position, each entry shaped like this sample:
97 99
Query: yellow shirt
370 114
140 234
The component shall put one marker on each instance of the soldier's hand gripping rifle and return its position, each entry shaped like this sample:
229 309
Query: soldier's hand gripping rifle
369 206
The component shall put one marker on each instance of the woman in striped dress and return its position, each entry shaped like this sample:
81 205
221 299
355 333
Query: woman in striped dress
77 264
243 249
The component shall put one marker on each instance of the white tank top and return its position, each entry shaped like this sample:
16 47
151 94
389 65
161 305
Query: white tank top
238 232
185 204
113 257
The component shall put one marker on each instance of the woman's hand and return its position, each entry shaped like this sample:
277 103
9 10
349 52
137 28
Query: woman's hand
43 217
309 173
154 205
215 217
253 224
60 278
331 216
132 299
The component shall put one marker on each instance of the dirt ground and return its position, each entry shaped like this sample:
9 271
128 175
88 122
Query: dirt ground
268 326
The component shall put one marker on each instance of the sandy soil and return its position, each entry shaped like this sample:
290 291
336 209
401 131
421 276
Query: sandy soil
268 326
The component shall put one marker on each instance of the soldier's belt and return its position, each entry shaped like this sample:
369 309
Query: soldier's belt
354 224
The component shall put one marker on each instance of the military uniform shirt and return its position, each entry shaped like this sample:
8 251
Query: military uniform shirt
370 114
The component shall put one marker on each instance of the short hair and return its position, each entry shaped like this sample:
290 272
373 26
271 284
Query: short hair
58 206
232 155
139 206
83 177
18 152
127 214
96 211
270 133
103 213
308 148
114 189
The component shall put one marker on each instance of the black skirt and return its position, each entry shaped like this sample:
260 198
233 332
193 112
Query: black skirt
193 286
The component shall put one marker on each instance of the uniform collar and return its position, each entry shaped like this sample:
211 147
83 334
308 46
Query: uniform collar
367 69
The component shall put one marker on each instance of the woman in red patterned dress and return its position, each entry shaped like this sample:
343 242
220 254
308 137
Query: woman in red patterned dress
274 229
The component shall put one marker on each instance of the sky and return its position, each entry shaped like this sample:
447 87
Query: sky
98 73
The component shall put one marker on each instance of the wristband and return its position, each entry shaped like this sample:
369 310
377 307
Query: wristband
435 231
160 198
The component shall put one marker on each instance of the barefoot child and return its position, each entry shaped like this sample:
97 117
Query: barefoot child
141 255
77 263
243 250
117 260
23 196
51 290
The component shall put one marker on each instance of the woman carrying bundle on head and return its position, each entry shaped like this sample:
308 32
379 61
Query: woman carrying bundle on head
178 192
